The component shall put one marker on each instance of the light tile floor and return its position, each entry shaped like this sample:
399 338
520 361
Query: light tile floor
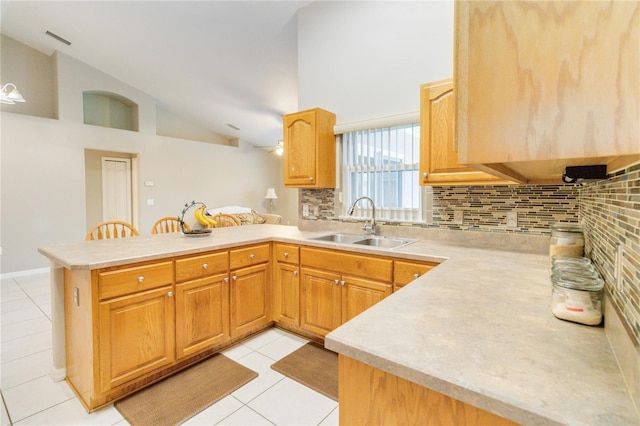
30 397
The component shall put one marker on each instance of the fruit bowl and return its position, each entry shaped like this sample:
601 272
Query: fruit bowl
197 232
199 215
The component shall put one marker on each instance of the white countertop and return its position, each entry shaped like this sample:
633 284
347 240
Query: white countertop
478 327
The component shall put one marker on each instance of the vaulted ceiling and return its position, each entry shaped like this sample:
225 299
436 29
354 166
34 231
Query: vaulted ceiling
215 63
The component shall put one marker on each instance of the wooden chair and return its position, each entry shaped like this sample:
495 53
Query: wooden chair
168 224
223 220
111 229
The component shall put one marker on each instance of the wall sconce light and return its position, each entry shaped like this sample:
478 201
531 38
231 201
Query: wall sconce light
9 94
271 195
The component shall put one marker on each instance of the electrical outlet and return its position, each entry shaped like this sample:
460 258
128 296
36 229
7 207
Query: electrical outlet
512 219
458 216
305 210
617 267
316 211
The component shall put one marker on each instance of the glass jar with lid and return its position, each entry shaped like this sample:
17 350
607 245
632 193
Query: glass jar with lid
564 260
577 298
567 240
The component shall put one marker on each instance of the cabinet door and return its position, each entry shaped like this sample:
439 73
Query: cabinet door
299 148
405 272
438 154
543 85
360 294
202 314
309 149
320 301
250 296
136 336
287 294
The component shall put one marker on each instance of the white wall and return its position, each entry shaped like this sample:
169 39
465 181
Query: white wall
43 178
366 60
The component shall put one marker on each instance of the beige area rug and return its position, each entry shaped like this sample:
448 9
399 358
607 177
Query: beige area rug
183 395
313 366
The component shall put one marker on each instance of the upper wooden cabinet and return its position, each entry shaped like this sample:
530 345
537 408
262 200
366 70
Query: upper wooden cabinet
438 154
309 149
544 85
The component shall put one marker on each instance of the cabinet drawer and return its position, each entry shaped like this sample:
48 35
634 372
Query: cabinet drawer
201 266
287 253
363 266
118 282
405 272
249 256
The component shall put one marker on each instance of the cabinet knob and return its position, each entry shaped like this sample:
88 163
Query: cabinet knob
295 273
252 256
416 276
337 282
425 174
342 282
234 278
140 279
205 266
286 254
226 280
310 178
170 294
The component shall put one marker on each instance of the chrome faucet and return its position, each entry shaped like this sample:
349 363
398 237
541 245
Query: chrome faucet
371 228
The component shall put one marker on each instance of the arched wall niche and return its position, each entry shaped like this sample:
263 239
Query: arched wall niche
109 109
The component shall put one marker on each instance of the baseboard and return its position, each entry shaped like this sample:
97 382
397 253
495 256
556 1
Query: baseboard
10 275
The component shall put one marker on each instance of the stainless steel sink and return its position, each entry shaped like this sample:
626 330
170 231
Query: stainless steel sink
384 242
340 238
388 243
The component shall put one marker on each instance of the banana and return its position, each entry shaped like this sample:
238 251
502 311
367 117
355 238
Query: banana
209 219
198 214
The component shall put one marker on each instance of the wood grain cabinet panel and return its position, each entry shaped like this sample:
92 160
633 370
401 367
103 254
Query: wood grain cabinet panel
337 286
248 256
321 310
404 272
286 302
438 153
250 299
309 149
370 396
543 85
202 314
116 282
136 336
359 294
193 267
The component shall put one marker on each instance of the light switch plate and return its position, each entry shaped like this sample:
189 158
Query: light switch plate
305 210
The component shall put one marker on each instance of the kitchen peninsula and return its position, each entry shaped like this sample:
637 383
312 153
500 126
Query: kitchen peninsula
478 328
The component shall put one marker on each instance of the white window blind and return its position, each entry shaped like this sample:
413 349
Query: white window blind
383 164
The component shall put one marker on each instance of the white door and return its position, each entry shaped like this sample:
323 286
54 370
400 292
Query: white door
116 189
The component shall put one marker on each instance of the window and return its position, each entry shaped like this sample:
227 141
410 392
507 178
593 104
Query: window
383 164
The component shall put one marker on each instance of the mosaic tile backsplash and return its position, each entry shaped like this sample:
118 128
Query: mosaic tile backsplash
609 210
484 207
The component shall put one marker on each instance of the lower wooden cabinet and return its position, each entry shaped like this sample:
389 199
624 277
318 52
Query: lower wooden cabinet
136 336
321 301
338 286
202 314
286 284
369 396
406 271
250 299
360 294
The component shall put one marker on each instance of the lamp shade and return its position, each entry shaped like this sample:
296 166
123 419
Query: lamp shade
271 194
